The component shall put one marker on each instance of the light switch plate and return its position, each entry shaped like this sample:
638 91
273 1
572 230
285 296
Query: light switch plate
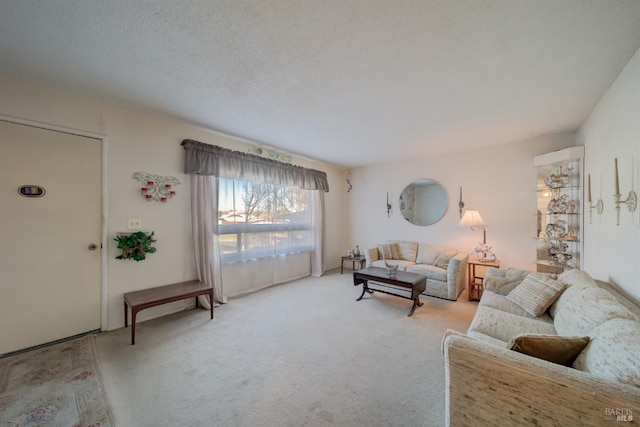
134 223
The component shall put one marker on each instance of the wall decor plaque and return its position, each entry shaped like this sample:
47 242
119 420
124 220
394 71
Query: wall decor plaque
31 191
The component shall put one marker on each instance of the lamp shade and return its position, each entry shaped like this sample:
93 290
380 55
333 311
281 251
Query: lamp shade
471 219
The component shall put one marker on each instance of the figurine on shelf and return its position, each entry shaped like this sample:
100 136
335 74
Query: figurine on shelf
558 252
558 180
557 229
559 205
356 251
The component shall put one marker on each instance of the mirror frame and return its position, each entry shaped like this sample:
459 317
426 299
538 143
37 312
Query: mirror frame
430 190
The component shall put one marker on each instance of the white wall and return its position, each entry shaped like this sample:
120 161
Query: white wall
140 142
612 252
500 182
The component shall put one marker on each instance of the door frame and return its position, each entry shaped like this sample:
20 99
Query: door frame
104 295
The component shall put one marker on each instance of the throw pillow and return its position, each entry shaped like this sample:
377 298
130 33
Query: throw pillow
395 251
427 254
442 260
407 250
385 251
513 273
536 293
501 285
552 348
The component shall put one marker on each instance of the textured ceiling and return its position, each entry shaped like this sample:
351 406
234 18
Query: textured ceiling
344 81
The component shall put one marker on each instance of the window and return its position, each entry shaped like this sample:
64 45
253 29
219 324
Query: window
257 220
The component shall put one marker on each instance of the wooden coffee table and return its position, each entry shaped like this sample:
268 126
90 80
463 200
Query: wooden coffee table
416 282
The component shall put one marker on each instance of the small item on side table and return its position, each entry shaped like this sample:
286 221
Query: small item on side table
475 281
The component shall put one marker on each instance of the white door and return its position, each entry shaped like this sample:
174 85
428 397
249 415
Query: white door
49 275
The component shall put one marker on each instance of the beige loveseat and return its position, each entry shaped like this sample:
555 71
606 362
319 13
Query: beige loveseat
445 267
488 384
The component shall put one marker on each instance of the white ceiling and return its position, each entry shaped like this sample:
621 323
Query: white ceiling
344 81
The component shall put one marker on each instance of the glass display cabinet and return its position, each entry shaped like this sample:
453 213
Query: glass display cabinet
559 208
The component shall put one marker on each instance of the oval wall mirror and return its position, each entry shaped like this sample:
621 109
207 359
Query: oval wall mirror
423 202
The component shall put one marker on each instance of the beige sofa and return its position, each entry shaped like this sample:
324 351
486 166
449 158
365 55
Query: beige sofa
445 267
487 384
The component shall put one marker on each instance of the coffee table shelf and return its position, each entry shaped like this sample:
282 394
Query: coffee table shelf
416 283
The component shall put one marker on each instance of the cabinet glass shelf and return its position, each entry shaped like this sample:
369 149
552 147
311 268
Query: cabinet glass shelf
545 189
553 264
556 239
559 204
557 213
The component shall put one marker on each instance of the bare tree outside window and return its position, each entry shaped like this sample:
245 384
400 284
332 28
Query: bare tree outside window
260 219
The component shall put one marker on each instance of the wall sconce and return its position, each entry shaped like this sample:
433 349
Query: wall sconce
156 187
460 203
599 206
388 206
632 198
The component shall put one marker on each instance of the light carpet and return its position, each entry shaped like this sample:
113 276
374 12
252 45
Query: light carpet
58 385
303 353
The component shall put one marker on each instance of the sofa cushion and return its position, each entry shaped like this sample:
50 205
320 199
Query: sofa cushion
486 338
575 280
427 254
576 277
536 293
407 250
505 326
613 352
431 271
589 307
619 296
552 348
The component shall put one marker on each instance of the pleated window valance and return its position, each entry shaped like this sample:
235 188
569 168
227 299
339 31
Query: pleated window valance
206 159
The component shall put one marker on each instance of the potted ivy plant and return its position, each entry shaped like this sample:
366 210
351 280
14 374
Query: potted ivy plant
136 245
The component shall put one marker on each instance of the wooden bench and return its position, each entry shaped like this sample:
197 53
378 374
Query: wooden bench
139 300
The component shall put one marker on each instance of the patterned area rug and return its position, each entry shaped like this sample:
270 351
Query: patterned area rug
59 385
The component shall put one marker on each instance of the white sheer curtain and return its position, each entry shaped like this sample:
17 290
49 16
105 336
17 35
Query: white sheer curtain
204 208
204 162
317 224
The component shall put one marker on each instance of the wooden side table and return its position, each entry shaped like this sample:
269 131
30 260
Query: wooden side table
359 259
475 280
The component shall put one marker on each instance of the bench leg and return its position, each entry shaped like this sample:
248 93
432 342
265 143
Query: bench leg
126 315
134 312
211 302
